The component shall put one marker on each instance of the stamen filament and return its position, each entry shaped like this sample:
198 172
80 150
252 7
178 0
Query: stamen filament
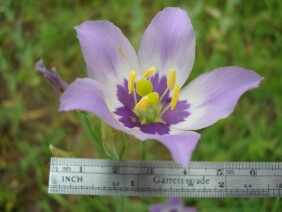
134 96
163 95
165 109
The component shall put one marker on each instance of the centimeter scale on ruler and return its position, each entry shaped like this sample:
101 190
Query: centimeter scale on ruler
165 178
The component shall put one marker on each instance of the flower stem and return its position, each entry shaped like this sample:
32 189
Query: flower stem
115 153
84 117
105 150
114 142
125 140
143 150
87 125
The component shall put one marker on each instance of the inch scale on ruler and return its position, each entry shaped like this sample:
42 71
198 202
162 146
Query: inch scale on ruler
165 178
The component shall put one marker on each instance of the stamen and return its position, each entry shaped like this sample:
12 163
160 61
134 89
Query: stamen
134 97
131 82
122 52
174 98
165 109
150 107
142 104
171 79
149 71
144 87
163 94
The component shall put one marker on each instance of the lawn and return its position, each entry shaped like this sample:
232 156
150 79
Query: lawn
234 32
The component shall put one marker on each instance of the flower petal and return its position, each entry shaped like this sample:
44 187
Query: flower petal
214 95
57 83
169 42
173 204
180 144
175 201
107 52
86 94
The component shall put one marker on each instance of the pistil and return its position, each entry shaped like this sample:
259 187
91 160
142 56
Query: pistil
131 83
150 108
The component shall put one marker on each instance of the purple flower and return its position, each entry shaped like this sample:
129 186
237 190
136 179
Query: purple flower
174 204
58 85
140 94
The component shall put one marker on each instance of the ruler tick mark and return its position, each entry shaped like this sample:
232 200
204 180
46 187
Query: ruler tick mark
165 178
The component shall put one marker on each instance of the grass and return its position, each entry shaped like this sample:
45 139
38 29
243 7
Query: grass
234 32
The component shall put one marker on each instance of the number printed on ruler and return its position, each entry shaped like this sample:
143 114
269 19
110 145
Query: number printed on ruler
165 178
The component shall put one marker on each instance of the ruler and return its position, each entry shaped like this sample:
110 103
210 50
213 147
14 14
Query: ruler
164 178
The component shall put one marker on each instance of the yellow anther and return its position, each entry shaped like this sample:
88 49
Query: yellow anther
122 52
131 82
171 79
149 71
174 98
142 104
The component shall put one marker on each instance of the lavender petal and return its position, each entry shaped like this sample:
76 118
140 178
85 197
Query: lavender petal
178 115
155 128
169 42
214 95
174 204
86 94
180 144
107 52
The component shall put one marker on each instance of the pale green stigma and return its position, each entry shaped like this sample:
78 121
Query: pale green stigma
151 107
143 87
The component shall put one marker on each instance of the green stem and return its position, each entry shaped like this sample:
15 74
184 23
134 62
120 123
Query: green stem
143 150
114 142
125 140
93 135
105 150
115 152
88 127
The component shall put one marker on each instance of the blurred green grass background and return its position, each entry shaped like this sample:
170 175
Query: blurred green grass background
234 32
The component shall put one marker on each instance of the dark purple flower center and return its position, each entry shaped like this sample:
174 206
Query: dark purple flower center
156 118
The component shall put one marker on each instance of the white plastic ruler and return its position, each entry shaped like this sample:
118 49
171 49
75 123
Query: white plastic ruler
165 178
